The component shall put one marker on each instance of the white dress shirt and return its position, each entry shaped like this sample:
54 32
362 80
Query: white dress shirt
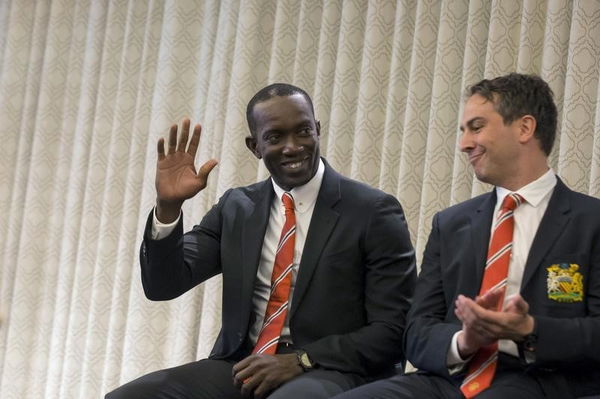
305 198
527 220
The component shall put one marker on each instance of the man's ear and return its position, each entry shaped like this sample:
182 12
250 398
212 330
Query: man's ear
318 123
251 144
527 125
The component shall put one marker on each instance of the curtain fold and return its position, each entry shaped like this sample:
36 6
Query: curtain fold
87 88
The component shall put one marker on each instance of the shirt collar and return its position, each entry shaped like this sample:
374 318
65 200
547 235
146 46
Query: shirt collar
534 192
306 195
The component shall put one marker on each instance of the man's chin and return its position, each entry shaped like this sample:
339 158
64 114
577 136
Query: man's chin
289 182
484 177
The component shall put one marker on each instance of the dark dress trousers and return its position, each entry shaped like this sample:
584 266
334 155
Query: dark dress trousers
354 285
567 354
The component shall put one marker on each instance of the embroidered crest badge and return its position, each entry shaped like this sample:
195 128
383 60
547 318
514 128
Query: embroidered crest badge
565 283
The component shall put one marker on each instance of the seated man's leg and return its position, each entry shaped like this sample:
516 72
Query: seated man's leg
317 384
408 386
204 379
513 385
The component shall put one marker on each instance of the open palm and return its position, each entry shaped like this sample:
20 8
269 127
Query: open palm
176 175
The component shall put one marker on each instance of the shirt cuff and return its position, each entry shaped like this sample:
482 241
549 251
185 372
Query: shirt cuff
161 230
454 362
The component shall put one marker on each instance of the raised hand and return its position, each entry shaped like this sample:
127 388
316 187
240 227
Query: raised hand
176 177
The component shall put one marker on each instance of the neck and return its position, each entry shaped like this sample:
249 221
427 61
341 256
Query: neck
529 174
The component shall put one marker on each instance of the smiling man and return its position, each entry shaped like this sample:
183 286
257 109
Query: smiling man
507 303
318 270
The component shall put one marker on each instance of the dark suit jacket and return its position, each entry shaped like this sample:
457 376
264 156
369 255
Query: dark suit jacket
354 284
568 332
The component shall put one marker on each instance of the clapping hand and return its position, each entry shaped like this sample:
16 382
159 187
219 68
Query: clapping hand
485 321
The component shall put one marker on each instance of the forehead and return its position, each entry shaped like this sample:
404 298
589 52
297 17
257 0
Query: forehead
282 111
478 106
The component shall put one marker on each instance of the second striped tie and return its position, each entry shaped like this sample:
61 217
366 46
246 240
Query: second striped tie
483 365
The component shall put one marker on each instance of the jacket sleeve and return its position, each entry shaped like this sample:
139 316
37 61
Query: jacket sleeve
175 264
428 334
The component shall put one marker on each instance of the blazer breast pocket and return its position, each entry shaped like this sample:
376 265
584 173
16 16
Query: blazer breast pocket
565 285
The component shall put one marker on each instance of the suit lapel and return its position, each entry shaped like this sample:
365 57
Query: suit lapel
482 225
323 220
253 234
551 226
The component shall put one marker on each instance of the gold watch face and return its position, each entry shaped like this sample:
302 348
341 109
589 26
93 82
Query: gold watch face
305 361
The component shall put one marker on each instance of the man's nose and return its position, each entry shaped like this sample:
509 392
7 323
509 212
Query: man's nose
465 143
291 144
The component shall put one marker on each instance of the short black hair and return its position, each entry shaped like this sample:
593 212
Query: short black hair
515 95
268 92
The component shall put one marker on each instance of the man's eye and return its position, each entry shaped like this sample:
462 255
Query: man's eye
306 131
273 139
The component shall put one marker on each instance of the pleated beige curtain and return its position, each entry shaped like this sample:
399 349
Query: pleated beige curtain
87 87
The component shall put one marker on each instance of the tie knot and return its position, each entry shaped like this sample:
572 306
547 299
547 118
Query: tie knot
511 201
288 201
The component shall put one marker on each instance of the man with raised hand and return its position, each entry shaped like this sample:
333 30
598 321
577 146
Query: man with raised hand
318 270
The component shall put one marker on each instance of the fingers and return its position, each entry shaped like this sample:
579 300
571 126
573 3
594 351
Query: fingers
193 147
242 364
492 299
257 375
263 389
477 332
487 324
185 131
245 376
205 169
172 139
241 371
181 144
249 385
458 311
474 316
160 148
462 302
517 304
258 384
465 309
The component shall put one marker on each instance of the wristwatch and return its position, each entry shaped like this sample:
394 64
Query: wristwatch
527 349
304 361
529 344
